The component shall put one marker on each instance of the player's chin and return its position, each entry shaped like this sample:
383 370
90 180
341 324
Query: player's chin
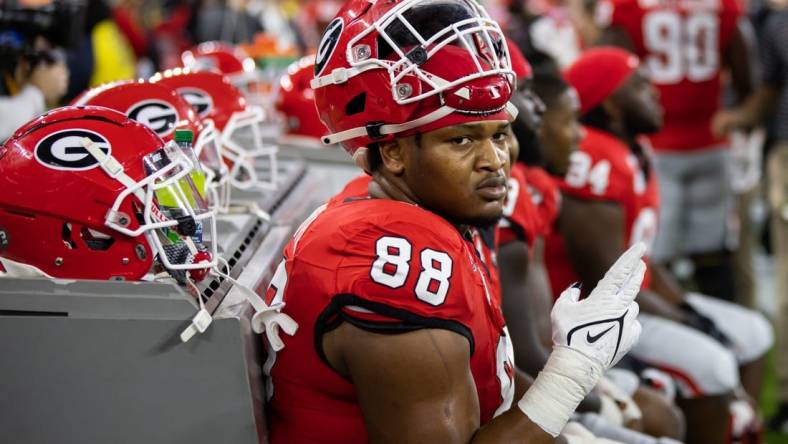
487 213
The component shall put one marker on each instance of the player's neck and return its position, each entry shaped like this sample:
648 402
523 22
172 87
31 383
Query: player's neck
620 130
383 186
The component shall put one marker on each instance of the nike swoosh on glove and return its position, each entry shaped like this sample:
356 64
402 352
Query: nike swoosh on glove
603 326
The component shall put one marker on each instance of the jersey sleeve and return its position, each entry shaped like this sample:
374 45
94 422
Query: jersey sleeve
598 171
402 271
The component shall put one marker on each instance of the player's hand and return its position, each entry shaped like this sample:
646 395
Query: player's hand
704 324
725 121
51 80
603 326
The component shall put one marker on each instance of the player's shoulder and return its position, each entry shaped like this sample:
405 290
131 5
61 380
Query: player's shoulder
358 187
540 179
519 213
361 220
545 194
601 145
600 169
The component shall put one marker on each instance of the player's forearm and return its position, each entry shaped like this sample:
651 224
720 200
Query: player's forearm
521 309
761 104
654 304
665 285
542 412
758 106
513 426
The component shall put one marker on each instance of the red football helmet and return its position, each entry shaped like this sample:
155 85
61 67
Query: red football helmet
296 101
239 123
91 194
222 57
232 62
161 109
393 67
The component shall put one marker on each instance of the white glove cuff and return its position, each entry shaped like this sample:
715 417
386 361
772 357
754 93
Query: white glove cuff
565 380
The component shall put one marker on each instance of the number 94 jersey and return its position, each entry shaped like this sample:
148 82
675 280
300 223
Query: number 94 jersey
682 43
604 169
388 267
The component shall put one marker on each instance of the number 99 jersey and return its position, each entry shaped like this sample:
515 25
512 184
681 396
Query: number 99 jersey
383 266
682 43
604 169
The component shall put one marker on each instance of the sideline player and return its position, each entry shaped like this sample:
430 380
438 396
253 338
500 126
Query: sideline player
399 338
529 215
609 182
685 45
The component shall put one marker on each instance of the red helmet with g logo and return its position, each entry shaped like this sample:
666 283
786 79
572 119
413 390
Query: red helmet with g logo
162 110
92 194
238 122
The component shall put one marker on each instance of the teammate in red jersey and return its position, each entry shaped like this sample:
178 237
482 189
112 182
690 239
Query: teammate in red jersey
609 182
399 339
529 215
686 45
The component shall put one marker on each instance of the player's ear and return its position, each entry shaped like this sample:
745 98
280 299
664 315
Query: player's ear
393 156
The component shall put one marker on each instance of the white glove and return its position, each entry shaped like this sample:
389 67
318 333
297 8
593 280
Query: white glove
746 153
603 326
588 336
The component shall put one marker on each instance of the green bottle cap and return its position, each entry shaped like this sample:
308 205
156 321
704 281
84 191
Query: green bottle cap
184 135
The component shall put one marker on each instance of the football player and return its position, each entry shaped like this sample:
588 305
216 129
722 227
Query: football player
400 337
609 181
530 212
686 45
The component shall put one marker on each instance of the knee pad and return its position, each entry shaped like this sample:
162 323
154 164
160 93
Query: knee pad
759 339
720 374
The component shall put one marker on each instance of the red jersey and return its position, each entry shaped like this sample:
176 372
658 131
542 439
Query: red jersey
531 206
521 220
605 169
356 187
682 43
381 265
485 240
546 195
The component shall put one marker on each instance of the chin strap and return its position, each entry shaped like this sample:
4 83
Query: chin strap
266 319
201 320
376 131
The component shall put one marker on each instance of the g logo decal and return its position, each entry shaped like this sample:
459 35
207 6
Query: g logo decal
63 150
328 43
157 115
199 99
